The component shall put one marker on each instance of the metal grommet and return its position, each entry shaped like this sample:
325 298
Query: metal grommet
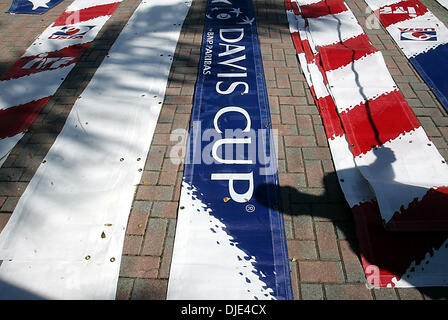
87 257
112 259
121 159
182 208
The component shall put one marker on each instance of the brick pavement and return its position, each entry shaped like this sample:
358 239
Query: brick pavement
322 243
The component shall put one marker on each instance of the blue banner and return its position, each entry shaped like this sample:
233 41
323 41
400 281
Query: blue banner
32 6
431 65
231 169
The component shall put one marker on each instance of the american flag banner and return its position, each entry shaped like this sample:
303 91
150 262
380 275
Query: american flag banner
421 36
29 84
382 156
65 237
32 6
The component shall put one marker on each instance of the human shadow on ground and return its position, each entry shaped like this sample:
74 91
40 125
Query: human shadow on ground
392 252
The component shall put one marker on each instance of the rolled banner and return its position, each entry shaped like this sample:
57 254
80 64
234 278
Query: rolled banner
229 244
33 6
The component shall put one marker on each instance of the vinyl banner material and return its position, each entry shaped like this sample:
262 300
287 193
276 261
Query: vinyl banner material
421 36
29 84
230 241
390 148
32 6
65 237
390 259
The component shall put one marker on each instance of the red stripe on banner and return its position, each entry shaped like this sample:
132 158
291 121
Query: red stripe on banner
321 68
72 17
401 11
330 118
308 52
377 121
323 8
387 255
429 213
302 46
18 119
341 54
288 5
45 61
295 8
297 42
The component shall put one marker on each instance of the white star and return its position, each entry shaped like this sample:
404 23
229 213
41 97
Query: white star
247 21
39 3
237 11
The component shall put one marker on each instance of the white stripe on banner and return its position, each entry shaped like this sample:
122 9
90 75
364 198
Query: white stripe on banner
35 86
414 170
79 5
333 28
7 145
381 3
65 237
354 84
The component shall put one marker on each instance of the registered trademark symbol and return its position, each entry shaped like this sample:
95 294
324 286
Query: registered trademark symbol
250 208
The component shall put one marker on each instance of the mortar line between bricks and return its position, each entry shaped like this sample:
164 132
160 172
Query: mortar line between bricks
306 176
129 215
132 288
324 292
163 249
316 244
344 271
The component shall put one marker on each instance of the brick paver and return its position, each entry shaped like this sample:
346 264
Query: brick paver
322 243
